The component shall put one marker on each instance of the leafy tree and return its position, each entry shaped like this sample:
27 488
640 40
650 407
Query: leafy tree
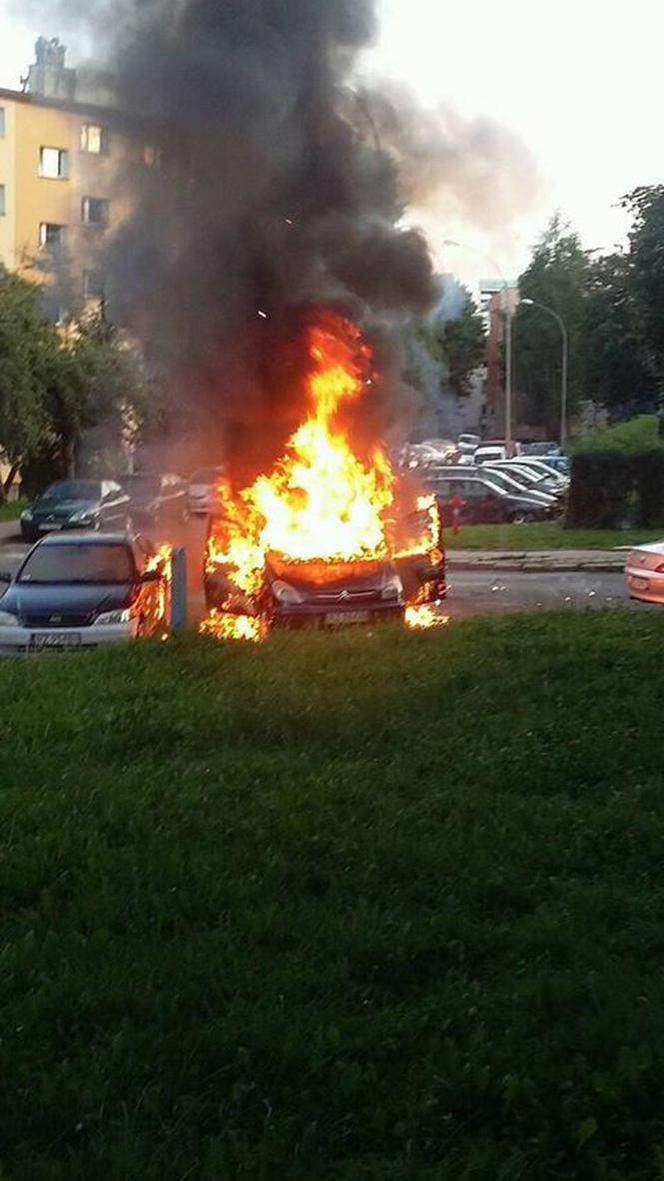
56 382
646 205
26 349
557 278
462 344
619 371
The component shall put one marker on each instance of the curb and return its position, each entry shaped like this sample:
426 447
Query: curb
536 563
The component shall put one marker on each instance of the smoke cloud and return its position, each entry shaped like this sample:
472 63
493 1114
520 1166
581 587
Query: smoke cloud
275 186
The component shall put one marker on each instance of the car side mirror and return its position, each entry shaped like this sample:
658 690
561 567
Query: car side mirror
150 576
5 576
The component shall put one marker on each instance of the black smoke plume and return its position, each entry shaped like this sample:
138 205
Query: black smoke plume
269 194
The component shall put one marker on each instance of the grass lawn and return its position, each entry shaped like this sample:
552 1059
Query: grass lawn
543 536
351 907
10 512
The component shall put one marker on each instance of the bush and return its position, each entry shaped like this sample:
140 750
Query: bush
617 490
636 435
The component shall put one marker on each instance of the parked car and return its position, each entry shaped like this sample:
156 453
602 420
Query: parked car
202 493
155 500
539 467
486 502
644 571
499 476
494 449
467 444
559 463
541 449
429 453
81 590
76 504
529 478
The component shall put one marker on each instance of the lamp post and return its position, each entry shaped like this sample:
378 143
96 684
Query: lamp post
508 332
532 303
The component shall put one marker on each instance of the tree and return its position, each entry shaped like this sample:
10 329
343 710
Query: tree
56 382
556 277
462 343
618 368
26 348
646 205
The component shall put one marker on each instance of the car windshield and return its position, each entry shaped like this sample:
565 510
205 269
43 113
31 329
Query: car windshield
206 475
141 485
74 490
78 562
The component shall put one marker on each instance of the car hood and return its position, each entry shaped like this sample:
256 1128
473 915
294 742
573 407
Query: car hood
62 509
23 598
333 577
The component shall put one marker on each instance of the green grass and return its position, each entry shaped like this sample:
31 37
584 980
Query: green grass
11 512
341 907
547 535
638 434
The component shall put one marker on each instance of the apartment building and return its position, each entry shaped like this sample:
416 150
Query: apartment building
64 180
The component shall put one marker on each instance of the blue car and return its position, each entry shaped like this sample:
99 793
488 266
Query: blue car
75 591
77 504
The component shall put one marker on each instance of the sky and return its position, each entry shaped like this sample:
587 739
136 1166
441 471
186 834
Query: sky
579 82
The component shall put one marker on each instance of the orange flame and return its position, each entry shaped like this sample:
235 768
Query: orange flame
321 502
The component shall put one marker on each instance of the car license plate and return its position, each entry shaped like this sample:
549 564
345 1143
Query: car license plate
55 640
338 618
640 583
49 528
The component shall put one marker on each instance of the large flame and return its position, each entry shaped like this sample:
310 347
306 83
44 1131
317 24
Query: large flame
321 502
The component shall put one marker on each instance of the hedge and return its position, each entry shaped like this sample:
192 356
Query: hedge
616 490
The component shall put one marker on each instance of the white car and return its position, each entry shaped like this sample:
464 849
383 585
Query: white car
644 571
202 493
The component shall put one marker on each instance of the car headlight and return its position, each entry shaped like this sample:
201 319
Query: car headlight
393 588
26 515
286 594
7 619
122 616
84 516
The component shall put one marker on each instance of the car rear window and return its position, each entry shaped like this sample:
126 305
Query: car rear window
79 562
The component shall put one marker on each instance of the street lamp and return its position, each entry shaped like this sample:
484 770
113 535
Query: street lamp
508 333
532 303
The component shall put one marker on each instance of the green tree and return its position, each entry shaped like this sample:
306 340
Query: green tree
618 369
462 345
26 350
556 277
646 206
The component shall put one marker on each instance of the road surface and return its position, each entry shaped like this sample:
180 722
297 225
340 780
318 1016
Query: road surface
482 592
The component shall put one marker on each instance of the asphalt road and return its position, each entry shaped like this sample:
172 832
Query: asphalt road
471 593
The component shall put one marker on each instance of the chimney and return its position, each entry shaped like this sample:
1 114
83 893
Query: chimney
48 77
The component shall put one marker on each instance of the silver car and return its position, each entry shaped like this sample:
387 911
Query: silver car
202 493
644 571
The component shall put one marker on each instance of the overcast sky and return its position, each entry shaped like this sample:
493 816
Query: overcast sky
579 81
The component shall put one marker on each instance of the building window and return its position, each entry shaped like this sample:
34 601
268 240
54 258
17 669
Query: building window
94 211
2 122
93 285
94 139
52 236
3 200
53 163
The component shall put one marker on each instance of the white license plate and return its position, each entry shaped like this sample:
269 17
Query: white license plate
48 528
640 583
337 618
55 640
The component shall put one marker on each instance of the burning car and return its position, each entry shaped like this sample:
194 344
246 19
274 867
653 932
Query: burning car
328 536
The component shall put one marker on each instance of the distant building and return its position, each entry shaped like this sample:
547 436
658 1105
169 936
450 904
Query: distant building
496 299
59 156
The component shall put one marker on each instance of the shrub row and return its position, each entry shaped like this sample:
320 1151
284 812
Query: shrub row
616 490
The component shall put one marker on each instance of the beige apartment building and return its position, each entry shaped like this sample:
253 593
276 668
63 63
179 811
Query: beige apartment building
63 176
